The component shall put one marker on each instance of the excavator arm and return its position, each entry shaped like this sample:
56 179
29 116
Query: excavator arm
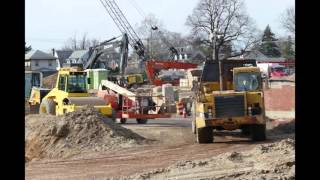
97 51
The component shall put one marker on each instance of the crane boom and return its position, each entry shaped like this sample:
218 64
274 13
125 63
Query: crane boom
171 48
124 26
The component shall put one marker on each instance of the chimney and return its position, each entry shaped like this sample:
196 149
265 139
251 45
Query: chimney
53 51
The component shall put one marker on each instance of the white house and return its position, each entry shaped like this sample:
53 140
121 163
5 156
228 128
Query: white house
78 56
36 60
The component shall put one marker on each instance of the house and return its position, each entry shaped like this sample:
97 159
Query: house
62 56
260 57
78 57
36 60
265 62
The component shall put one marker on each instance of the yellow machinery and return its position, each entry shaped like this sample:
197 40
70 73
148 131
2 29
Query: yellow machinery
69 94
240 104
134 80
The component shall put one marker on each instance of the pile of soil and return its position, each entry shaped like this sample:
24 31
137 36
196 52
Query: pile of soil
84 130
50 81
267 161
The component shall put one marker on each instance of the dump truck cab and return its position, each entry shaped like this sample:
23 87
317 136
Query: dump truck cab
69 94
240 104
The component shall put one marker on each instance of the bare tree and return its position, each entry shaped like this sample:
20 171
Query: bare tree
149 37
158 40
82 44
94 42
224 23
288 20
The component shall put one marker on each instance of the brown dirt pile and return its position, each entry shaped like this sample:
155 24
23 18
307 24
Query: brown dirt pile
84 130
50 81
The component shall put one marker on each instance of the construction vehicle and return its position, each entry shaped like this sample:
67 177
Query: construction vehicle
117 74
69 94
31 79
153 67
239 105
128 104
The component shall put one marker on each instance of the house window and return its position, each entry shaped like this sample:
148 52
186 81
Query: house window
49 63
37 63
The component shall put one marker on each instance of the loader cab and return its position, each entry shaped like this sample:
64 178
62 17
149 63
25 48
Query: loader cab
72 81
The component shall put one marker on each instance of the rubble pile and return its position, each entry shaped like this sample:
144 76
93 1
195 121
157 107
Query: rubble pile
84 130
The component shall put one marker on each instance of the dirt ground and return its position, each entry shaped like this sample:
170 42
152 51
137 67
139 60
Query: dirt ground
173 153
174 143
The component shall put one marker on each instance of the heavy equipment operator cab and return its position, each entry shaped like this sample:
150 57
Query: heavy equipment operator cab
248 79
73 82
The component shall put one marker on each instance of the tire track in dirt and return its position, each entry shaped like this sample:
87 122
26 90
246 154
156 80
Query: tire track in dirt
125 163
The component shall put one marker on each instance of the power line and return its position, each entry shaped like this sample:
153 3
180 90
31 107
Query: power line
137 7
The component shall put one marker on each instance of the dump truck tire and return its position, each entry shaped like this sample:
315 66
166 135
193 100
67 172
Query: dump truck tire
142 121
47 106
204 135
245 130
123 120
258 132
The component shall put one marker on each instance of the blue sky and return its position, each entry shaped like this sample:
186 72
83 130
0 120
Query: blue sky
48 24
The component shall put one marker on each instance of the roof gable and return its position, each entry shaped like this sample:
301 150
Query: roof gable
38 55
78 54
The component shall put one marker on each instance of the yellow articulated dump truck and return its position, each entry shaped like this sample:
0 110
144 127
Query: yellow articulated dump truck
69 94
239 104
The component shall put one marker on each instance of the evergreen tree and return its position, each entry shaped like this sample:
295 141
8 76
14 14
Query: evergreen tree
27 48
268 35
288 51
268 46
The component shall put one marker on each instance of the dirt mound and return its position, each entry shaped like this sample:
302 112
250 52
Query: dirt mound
267 161
282 128
84 130
50 81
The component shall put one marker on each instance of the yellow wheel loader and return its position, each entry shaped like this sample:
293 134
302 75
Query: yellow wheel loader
69 94
239 104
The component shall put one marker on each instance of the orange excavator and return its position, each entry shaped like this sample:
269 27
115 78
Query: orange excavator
153 68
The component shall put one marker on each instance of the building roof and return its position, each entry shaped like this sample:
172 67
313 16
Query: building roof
38 55
63 55
259 56
78 54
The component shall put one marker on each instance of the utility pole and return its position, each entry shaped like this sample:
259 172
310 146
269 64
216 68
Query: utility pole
215 56
151 55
